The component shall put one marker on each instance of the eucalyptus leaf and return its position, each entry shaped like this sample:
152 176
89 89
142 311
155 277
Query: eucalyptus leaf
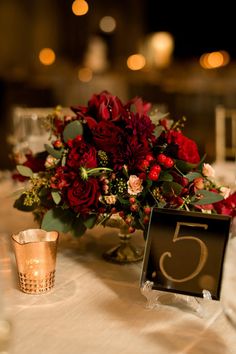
78 227
122 200
158 130
24 171
72 130
55 153
207 197
90 221
192 175
57 219
56 197
165 176
184 166
170 187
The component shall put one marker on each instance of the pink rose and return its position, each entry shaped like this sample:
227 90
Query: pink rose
134 185
207 170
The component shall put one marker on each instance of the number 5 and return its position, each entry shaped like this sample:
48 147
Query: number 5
202 258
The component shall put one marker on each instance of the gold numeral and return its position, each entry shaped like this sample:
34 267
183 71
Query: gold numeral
202 258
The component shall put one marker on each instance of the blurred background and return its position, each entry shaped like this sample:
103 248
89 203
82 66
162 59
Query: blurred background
180 57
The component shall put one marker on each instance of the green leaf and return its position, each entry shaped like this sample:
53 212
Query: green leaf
56 197
172 187
208 197
165 176
158 130
55 153
122 200
24 171
57 219
72 130
192 175
90 221
184 166
78 227
63 161
19 204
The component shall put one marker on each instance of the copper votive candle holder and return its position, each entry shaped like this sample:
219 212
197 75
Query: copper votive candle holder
35 252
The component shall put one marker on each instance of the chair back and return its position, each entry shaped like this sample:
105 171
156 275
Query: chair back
225 122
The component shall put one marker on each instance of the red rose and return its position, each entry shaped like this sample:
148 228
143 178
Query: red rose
105 107
187 148
83 195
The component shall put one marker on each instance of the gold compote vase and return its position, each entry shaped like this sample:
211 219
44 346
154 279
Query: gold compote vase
125 252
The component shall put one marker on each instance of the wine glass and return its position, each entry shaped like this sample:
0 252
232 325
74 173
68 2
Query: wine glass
228 298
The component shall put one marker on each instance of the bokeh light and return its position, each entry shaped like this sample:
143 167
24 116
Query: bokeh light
85 74
80 7
214 60
107 24
160 46
47 56
136 62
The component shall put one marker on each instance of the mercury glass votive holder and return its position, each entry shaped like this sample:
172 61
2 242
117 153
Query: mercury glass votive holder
35 252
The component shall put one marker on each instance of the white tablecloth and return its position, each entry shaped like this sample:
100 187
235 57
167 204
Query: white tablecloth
96 307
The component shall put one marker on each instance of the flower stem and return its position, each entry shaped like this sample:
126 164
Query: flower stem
85 173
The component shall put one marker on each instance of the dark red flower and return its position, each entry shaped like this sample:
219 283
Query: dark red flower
227 206
187 148
81 154
62 178
107 136
83 196
140 106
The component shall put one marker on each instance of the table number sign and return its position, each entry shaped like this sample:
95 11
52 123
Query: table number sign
185 252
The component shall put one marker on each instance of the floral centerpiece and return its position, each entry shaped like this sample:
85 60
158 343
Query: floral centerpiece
110 157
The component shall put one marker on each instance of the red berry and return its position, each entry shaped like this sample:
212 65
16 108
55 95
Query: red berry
122 214
144 165
147 210
153 175
161 158
78 138
134 207
128 220
154 172
156 168
169 162
179 201
57 144
149 157
132 200
131 230
146 219
184 181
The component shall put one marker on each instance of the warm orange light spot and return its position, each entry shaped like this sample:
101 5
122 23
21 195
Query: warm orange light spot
47 56
80 7
85 74
136 62
214 60
107 24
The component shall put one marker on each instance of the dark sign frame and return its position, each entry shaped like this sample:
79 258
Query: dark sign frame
185 252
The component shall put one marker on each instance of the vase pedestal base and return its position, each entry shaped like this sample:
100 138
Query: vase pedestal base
124 253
